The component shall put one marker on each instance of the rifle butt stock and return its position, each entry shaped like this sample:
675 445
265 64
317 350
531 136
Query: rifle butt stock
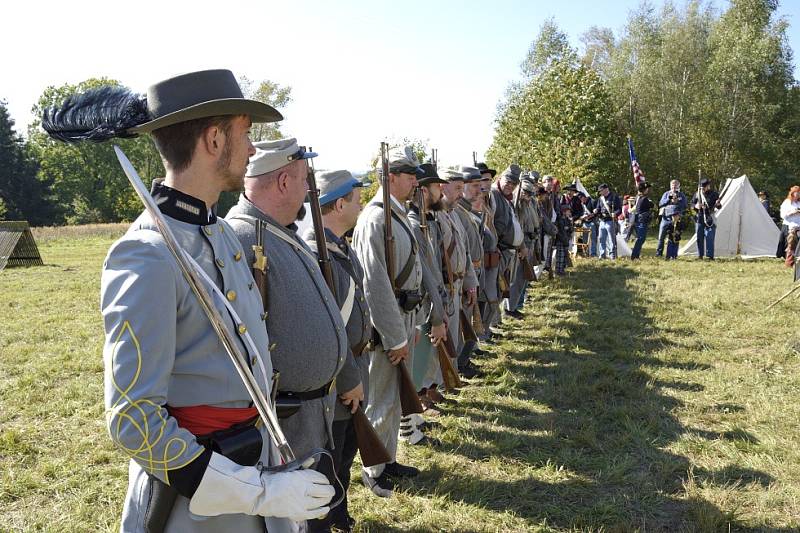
466 327
370 447
409 399
449 374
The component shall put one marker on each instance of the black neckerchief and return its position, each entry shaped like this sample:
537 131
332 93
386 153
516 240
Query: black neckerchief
181 206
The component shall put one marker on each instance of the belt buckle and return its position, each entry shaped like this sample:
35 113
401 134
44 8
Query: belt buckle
331 385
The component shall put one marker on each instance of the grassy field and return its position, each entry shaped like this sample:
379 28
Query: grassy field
634 397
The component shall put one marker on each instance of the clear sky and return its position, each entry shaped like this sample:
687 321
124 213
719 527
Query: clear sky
361 71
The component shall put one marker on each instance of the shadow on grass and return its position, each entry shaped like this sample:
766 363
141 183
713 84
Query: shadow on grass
597 440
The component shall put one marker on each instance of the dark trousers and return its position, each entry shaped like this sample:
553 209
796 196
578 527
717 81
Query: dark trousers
641 235
705 240
665 223
344 438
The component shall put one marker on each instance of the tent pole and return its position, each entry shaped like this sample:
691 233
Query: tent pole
779 300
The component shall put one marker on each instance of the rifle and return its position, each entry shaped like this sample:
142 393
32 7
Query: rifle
705 212
477 322
449 373
370 446
409 400
323 258
466 326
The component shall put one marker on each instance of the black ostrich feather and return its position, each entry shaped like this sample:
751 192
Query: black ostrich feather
96 115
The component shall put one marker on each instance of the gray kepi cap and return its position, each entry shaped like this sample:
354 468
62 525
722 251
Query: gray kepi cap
403 160
334 184
451 174
272 155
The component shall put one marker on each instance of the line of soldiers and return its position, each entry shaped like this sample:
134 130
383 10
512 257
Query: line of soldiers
418 279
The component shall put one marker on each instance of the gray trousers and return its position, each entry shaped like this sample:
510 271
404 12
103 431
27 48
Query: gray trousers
433 372
383 405
518 284
453 317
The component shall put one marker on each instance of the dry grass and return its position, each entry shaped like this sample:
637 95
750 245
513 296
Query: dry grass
634 397
45 234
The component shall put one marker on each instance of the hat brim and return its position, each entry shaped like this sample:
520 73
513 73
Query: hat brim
340 192
257 111
429 180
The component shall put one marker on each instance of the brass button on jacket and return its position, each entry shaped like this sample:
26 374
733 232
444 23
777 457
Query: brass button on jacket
231 295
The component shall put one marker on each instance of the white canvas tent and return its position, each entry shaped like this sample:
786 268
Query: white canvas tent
743 225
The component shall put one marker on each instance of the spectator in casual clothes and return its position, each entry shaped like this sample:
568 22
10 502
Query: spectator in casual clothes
673 232
790 213
764 198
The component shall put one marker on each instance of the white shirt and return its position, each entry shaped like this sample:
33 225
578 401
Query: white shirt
789 214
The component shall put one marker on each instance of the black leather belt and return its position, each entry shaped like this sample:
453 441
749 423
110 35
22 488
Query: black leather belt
309 395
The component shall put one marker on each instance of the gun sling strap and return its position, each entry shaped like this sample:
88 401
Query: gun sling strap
405 273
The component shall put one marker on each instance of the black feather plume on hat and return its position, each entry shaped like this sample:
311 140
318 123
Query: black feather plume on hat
96 115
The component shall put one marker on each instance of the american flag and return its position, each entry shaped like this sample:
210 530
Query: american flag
638 177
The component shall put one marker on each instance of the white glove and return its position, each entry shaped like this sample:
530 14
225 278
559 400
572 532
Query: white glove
230 488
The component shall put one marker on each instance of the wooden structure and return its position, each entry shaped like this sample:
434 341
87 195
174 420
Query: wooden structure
17 247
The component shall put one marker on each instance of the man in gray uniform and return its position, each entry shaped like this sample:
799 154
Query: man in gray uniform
308 338
504 222
474 248
489 295
340 195
430 320
393 314
172 393
528 221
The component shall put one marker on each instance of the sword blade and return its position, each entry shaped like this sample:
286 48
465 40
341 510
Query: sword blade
265 409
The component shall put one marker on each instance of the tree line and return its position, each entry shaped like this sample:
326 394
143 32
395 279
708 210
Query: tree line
48 182
696 88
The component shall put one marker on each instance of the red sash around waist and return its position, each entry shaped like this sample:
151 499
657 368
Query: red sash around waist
205 419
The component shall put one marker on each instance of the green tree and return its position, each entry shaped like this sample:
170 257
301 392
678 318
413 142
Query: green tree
551 45
22 195
751 99
701 89
269 93
560 123
88 182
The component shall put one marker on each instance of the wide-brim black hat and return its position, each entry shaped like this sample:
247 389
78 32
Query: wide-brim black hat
483 167
207 93
430 176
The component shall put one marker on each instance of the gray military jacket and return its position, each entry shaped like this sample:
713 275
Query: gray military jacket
503 219
431 273
309 341
463 210
368 242
160 350
348 275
